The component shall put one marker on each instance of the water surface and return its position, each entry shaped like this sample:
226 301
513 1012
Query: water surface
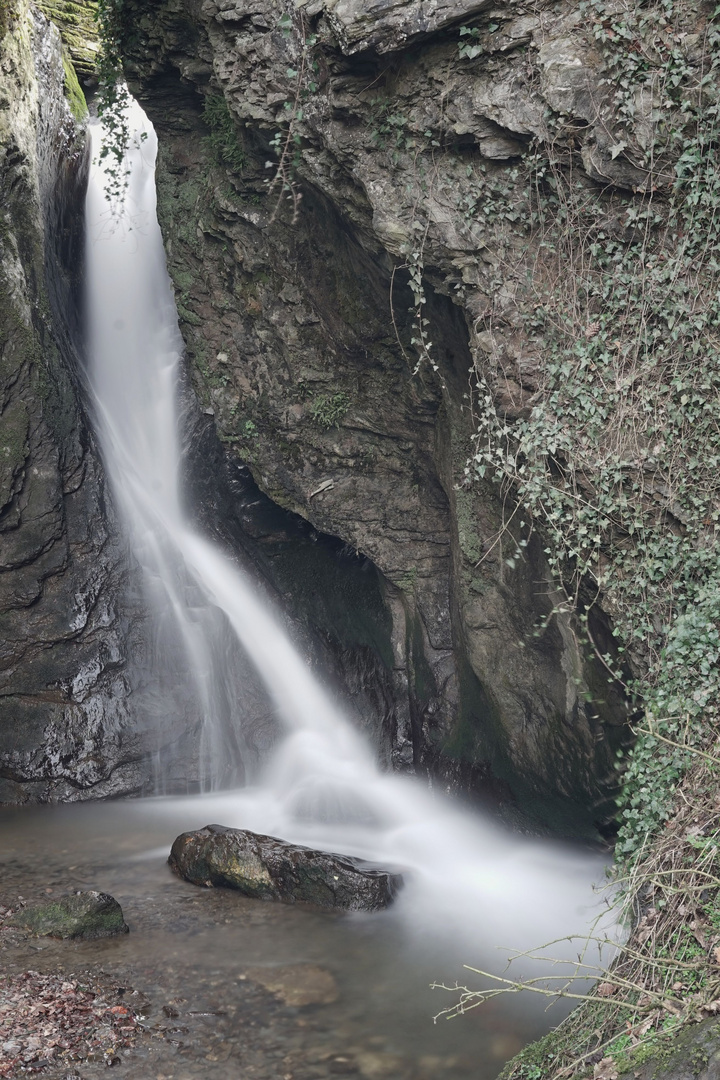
189 949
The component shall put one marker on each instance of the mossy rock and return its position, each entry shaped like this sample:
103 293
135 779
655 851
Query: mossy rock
87 915
77 22
73 90
266 868
691 1052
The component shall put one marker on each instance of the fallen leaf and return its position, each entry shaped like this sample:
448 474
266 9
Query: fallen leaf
605 1070
698 930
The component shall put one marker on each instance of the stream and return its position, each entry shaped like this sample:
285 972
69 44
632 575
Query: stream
189 949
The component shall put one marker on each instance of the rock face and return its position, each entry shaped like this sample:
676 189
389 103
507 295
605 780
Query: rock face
320 454
87 915
65 631
300 318
265 868
78 27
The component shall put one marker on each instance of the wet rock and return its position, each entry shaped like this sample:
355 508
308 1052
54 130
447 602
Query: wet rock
389 25
66 731
266 868
79 30
87 915
297 985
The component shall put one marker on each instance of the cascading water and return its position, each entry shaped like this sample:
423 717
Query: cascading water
469 879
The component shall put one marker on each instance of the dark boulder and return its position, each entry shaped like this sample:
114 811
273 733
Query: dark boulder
269 869
80 915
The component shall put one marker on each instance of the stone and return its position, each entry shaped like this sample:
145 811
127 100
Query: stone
297 985
76 21
86 915
376 1065
266 868
389 25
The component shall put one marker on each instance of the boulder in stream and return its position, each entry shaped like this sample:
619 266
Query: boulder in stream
266 868
86 915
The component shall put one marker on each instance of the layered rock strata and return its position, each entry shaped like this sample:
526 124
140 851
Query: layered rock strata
65 727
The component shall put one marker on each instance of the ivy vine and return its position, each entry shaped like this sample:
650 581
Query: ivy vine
286 143
618 458
113 101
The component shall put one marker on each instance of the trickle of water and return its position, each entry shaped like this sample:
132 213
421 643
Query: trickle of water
469 879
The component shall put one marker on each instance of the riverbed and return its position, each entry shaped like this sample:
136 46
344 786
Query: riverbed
196 959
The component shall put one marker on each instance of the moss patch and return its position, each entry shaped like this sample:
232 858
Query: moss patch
73 90
224 139
83 915
7 10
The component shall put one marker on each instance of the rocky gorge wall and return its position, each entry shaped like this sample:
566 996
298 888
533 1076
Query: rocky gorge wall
66 627
299 309
84 712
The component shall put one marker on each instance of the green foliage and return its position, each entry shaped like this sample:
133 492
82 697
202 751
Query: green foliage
681 706
7 10
389 127
408 580
113 100
77 23
535 1062
473 47
286 143
223 139
327 410
618 460
470 49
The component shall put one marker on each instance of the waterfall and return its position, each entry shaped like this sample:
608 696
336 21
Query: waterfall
197 595
321 786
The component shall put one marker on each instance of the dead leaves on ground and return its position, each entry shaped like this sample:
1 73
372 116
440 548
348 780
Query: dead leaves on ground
605 1070
46 1019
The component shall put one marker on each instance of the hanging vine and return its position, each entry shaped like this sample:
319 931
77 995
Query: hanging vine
113 101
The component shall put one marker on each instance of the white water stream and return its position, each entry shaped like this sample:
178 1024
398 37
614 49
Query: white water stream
470 880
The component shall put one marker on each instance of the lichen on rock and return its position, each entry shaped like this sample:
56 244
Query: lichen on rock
88 915
266 868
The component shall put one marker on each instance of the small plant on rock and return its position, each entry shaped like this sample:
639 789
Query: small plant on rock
328 410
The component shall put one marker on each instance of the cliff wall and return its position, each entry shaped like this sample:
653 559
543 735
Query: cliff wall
345 219
65 727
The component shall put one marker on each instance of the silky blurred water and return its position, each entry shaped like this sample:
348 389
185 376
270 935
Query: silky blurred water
194 945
